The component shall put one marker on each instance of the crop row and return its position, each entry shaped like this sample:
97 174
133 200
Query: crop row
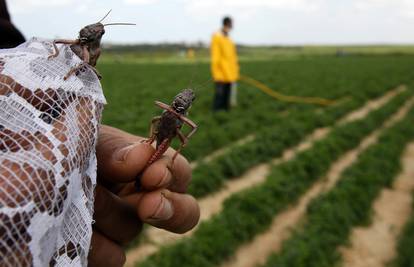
331 217
269 143
247 213
359 78
405 245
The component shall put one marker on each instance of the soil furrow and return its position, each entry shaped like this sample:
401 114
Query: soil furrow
375 245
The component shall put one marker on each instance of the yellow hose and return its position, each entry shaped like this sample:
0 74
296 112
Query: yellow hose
286 98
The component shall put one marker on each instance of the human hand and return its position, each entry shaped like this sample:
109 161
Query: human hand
120 210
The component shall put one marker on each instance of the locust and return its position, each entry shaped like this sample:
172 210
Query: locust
87 46
166 127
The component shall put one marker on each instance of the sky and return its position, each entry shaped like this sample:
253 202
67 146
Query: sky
257 22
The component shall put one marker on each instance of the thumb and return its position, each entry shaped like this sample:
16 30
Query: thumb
121 156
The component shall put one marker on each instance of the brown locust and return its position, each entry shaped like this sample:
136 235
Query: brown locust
167 126
87 46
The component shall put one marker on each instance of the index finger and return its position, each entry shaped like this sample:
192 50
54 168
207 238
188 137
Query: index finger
120 155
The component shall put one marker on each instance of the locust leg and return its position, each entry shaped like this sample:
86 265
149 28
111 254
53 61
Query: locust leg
183 140
153 130
181 117
189 123
159 152
61 41
167 108
74 70
85 63
79 67
96 72
87 59
163 146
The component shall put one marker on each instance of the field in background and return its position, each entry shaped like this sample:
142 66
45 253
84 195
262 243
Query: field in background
131 89
183 53
352 75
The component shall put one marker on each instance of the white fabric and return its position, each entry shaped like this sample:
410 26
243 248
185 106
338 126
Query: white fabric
48 132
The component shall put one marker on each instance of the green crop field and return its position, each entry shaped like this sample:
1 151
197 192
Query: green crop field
132 88
274 127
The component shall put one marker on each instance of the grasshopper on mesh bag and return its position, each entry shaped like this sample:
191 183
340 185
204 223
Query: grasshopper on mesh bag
87 46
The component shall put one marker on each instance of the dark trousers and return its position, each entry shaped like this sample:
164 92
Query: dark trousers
222 96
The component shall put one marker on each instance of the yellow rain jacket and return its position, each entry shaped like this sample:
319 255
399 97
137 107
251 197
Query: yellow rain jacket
224 62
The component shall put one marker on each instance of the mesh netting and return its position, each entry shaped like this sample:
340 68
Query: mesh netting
48 131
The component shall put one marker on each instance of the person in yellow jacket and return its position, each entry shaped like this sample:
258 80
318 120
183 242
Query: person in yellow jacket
224 65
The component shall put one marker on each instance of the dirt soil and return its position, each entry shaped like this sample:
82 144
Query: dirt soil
375 245
372 105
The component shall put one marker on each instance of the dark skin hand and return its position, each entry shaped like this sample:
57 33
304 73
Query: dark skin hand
120 210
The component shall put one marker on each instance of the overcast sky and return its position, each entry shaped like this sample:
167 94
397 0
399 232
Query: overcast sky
256 21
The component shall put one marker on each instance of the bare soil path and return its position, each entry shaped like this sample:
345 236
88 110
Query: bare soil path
372 105
212 204
375 245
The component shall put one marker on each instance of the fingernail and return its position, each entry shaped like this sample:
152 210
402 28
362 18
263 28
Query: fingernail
164 210
122 154
138 182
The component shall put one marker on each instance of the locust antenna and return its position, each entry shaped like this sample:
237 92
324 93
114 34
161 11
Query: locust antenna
121 23
105 16
192 76
202 85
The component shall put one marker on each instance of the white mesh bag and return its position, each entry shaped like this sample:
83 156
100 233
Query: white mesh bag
48 132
